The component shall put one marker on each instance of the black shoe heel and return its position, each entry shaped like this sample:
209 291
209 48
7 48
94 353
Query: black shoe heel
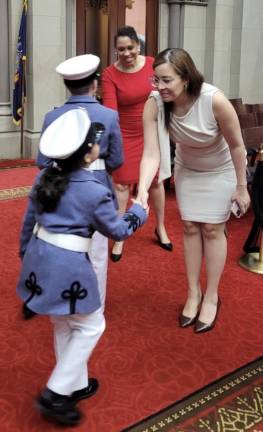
165 246
116 257
201 327
27 313
185 321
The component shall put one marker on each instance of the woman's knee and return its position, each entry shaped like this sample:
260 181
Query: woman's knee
121 187
155 186
191 228
212 231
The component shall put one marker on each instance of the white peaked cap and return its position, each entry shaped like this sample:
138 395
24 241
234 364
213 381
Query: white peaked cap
79 67
65 135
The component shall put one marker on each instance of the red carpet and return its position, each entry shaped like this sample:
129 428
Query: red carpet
14 163
233 403
17 177
144 361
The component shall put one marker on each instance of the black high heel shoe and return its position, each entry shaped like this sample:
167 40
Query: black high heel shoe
201 327
116 257
27 313
166 246
185 321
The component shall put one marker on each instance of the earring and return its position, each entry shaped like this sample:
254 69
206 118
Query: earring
185 86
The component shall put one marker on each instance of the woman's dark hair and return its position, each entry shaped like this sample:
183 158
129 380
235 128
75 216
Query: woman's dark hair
184 66
127 31
81 86
54 181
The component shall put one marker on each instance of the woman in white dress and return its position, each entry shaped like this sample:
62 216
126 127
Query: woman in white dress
210 171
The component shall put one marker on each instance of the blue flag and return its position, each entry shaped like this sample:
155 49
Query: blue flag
19 92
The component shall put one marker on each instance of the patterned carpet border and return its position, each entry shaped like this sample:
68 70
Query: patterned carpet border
18 192
207 397
16 163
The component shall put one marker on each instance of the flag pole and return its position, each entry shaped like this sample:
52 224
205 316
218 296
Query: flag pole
22 112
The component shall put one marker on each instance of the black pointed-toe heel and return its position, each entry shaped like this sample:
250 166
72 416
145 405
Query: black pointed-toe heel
27 313
166 246
115 257
185 321
201 327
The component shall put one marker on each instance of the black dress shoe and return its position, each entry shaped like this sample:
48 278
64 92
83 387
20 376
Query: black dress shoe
166 246
86 392
57 407
201 327
115 257
186 321
27 313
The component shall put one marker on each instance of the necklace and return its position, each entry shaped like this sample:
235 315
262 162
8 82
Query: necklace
130 69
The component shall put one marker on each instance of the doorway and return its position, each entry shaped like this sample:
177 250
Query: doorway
97 22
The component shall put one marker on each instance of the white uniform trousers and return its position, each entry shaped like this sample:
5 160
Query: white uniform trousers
75 337
99 258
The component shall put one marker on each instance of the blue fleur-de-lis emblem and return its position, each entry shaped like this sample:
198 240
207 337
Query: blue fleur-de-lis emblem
73 294
31 285
133 220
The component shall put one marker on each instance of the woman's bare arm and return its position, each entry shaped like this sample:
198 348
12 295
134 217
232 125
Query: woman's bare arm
228 122
151 153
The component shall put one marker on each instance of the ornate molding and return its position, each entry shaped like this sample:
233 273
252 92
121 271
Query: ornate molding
189 2
99 4
129 4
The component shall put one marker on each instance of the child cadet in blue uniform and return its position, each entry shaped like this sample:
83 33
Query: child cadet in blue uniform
67 205
81 79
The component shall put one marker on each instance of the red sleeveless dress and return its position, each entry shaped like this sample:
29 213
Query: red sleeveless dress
127 93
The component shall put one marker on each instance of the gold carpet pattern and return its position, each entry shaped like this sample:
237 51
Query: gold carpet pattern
240 413
17 192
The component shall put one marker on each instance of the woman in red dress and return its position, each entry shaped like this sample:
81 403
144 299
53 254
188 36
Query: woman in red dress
126 85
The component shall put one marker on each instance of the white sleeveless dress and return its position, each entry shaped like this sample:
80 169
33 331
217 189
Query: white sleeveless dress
205 177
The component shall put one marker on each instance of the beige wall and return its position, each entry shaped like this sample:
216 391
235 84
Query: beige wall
251 63
219 43
194 33
163 25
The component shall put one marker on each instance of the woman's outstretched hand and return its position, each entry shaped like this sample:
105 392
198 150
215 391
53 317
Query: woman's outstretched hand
142 199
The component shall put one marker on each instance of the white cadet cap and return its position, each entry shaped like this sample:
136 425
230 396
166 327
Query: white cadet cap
65 135
79 67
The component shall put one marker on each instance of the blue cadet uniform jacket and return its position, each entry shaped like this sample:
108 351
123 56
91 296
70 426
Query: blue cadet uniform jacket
111 143
58 281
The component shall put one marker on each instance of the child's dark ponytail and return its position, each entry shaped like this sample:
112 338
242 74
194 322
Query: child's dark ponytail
54 181
51 187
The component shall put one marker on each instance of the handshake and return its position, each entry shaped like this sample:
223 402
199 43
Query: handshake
142 200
